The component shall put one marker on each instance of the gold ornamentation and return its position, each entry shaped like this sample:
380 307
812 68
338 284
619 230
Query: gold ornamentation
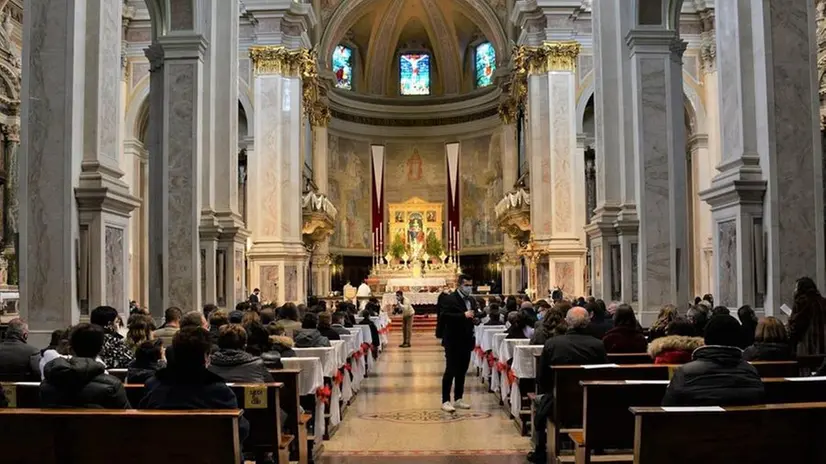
550 56
272 59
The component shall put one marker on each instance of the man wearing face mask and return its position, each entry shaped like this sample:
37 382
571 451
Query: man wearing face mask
456 313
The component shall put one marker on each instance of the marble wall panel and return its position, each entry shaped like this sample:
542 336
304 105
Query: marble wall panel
562 142
539 155
727 262
114 251
596 265
291 290
109 82
182 230
565 277
350 190
182 15
240 294
635 272
543 280
585 64
731 98
480 188
654 201
203 274
139 71
267 138
268 283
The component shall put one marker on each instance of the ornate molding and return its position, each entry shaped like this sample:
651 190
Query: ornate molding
314 93
821 59
550 56
513 213
708 45
319 219
271 59
421 122
11 132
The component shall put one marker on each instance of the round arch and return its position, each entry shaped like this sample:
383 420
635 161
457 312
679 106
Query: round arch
670 11
246 103
347 13
137 110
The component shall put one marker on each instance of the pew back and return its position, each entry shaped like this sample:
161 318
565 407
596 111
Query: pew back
39 436
756 434
629 358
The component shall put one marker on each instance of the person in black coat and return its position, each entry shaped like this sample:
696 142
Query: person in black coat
18 360
232 363
186 383
456 314
81 381
374 331
601 322
718 375
148 359
325 326
771 342
577 346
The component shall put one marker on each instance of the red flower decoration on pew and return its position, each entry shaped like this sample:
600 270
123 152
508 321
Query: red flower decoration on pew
348 367
358 355
511 377
339 378
491 359
323 394
502 367
478 351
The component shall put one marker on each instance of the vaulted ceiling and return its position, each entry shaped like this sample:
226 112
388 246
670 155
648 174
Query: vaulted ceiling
380 29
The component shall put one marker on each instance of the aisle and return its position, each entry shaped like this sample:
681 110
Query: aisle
397 413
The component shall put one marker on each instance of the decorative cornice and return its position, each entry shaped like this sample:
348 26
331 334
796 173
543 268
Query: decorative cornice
272 59
550 56
420 122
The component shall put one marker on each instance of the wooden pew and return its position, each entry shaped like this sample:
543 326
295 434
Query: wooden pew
261 404
608 423
297 422
629 358
41 436
757 434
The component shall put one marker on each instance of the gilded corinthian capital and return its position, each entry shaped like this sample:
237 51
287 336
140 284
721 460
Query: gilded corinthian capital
272 59
550 56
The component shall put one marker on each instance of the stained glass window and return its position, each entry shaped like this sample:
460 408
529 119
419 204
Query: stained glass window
485 64
343 67
414 74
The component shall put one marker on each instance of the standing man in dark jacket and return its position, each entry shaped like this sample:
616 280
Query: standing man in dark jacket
717 375
17 357
456 313
576 347
187 384
81 381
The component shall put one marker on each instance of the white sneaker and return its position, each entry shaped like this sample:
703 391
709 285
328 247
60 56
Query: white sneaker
447 407
460 404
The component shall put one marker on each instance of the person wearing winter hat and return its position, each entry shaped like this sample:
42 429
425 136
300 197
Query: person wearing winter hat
717 374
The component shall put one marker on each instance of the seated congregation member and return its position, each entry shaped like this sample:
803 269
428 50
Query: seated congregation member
236 317
141 329
626 336
217 319
192 319
81 381
267 315
552 324
281 346
717 375
519 327
19 361
58 348
720 311
209 308
667 314
748 326
677 345
576 346
771 342
149 357
186 383
115 353
350 316
601 322
698 316
289 318
258 338
494 316
308 335
172 323
232 363
528 313
374 331
338 324
325 326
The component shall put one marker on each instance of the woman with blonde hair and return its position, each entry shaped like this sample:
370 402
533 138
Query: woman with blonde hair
666 316
141 330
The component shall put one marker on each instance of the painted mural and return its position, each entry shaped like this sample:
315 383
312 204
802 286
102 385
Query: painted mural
350 191
415 170
480 171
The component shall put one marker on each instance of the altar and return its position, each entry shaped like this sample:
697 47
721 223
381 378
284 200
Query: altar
414 284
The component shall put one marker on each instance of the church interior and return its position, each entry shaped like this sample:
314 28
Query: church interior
328 157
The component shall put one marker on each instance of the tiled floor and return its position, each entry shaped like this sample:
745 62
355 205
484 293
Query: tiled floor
396 417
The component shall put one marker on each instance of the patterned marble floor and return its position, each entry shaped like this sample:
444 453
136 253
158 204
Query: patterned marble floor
396 417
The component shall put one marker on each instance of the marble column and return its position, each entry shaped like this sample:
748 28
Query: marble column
557 186
230 268
658 128
209 229
277 257
321 255
11 207
701 163
511 262
175 148
610 97
767 202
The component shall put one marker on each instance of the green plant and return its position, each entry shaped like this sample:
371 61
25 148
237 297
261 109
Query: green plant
397 247
433 246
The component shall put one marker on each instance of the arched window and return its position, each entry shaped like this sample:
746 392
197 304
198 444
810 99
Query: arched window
414 73
343 67
485 63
